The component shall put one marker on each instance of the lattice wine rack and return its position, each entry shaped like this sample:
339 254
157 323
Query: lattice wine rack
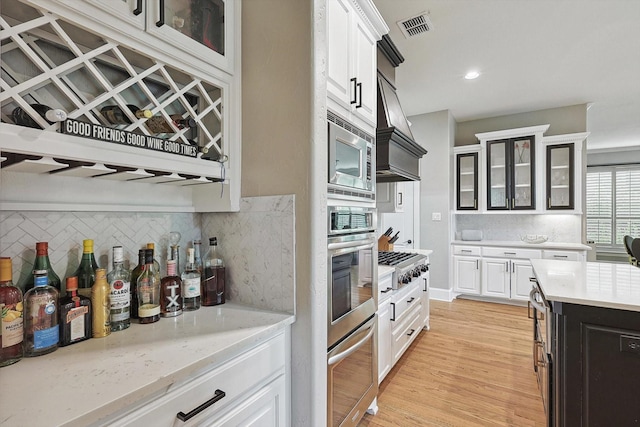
48 61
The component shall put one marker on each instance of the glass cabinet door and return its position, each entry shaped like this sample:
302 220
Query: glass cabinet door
467 181
560 176
522 191
497 176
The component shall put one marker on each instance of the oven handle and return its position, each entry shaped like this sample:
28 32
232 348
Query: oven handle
349 245
340 356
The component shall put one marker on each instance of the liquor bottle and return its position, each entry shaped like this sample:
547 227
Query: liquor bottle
42 263
213 278
86 272
156 264
41 334
174 239
100 304
115 115
75 315
190 284
148 292
120 282
197 258
135 274
171 292
51 115
12 328
158 124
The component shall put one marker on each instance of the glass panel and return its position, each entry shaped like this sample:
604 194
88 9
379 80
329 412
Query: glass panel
200 20
522 173
498 175
560 177
347 159
467 181
350 284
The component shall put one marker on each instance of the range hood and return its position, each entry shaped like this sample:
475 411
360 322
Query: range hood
397 153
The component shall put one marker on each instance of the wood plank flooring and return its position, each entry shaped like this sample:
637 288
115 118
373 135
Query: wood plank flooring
473 368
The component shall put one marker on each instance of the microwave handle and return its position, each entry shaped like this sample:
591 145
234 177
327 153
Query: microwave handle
340 356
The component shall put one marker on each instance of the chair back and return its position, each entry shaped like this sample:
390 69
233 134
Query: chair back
627 244
635 249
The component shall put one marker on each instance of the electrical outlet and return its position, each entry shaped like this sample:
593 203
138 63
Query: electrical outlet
436 216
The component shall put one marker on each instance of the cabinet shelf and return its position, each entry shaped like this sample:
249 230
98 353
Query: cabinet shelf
560 167
522 165
467 173
563 186
523 185
498 166
467 190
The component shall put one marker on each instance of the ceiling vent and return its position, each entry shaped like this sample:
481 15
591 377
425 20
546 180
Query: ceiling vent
415 25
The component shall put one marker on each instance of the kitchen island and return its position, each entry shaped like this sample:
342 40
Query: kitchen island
593 318
138 375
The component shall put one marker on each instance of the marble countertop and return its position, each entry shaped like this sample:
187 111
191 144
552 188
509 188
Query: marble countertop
596 284
521 244
81 383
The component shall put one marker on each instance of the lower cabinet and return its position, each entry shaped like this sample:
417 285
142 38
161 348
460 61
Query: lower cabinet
384 340
506 278
249 390
425 302
466 274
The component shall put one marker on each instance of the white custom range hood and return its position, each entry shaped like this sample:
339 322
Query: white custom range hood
397 153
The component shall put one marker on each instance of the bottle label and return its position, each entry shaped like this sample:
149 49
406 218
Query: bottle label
120 300
173 302
191 287
45 338
12 329
148 310
75 319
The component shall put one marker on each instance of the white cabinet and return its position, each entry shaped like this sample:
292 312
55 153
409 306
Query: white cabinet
466 269
468 186
563 255
425 301
390 197
406 309
521 272
351 60
496 277
384 340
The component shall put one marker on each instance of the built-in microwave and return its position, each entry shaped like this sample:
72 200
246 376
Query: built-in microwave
351 162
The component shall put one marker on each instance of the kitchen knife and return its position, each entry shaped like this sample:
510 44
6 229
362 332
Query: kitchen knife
394 238
388 232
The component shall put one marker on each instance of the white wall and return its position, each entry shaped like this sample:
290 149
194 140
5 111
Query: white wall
435 132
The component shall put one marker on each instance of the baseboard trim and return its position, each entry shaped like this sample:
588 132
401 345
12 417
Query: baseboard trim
441 294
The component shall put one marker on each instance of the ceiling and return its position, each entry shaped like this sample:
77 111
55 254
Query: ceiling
531 55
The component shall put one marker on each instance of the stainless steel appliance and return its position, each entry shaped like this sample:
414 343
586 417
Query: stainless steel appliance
351 162
352 359
409 266
540 312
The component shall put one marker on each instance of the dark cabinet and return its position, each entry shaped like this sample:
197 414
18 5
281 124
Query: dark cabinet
511 174
596 378
560 177
467 181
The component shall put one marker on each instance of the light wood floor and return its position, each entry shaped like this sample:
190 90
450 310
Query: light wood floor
473 368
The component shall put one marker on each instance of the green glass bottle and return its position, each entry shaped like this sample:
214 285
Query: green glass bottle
135 274
86 272
42 263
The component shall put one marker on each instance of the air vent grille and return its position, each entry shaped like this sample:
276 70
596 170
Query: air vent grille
415 25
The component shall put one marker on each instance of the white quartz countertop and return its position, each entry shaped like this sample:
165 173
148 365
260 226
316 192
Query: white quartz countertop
81 383
596 284
521 244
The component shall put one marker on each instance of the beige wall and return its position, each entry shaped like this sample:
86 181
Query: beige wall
570 119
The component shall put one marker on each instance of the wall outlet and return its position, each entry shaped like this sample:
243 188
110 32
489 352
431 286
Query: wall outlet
436 216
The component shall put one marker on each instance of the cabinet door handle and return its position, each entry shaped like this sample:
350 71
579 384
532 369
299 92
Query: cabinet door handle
477 264
160 22
561 256
411 333
393 316
506 265
549 203
475 203
219 394
386 290
426 285
399 199
411 300
359 86
355 85
138 10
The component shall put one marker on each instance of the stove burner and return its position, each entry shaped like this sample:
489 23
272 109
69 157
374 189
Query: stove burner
393 258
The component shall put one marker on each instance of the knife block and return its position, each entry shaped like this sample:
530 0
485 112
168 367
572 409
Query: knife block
384 245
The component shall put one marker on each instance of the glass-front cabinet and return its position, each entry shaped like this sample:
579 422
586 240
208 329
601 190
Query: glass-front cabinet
467 181
560 176
511 174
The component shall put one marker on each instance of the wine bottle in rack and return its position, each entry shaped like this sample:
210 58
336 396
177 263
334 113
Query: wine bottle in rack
51 115
115 115
158 124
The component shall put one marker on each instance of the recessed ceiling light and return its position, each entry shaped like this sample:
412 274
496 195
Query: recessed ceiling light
472 75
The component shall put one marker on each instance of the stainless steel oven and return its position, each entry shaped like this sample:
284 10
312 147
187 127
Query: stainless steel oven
351 162
352 377
352 270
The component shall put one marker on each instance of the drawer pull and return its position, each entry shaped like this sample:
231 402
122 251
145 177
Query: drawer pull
466 251
411 333
386 290
411 300
219 394
561 256
509 253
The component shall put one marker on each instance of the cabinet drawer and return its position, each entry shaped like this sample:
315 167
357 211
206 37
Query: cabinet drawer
562 255
404 334
467 250
385 286
404 300
234 378
512 253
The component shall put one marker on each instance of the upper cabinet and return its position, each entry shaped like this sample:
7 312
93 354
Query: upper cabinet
354 27
142 107
467 177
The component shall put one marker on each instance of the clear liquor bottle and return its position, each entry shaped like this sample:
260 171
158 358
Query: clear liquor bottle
11 307
190 284
75 315
148 292
213 277
135 274
86 272
100 303
156 264
171 292
42 263
120 283
41 335
197 257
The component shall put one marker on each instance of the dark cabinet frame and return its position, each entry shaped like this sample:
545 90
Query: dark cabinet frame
510 190
475 182
572 186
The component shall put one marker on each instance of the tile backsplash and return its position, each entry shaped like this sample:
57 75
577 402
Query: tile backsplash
257 243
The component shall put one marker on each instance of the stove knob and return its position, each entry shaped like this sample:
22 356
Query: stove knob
406 278
416 272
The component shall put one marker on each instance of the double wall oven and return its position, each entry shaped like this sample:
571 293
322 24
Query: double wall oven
352 360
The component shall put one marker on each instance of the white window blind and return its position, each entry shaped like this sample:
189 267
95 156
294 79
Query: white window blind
613 204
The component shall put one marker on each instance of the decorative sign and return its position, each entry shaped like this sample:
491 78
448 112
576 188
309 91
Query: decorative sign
123 137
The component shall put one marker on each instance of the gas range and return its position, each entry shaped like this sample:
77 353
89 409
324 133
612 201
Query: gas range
409 266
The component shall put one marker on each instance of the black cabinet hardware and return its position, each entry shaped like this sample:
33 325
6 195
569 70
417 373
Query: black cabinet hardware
219 394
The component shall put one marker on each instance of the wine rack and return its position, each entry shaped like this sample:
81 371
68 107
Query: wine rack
50 61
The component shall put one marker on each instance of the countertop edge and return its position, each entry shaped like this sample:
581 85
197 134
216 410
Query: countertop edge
520 244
